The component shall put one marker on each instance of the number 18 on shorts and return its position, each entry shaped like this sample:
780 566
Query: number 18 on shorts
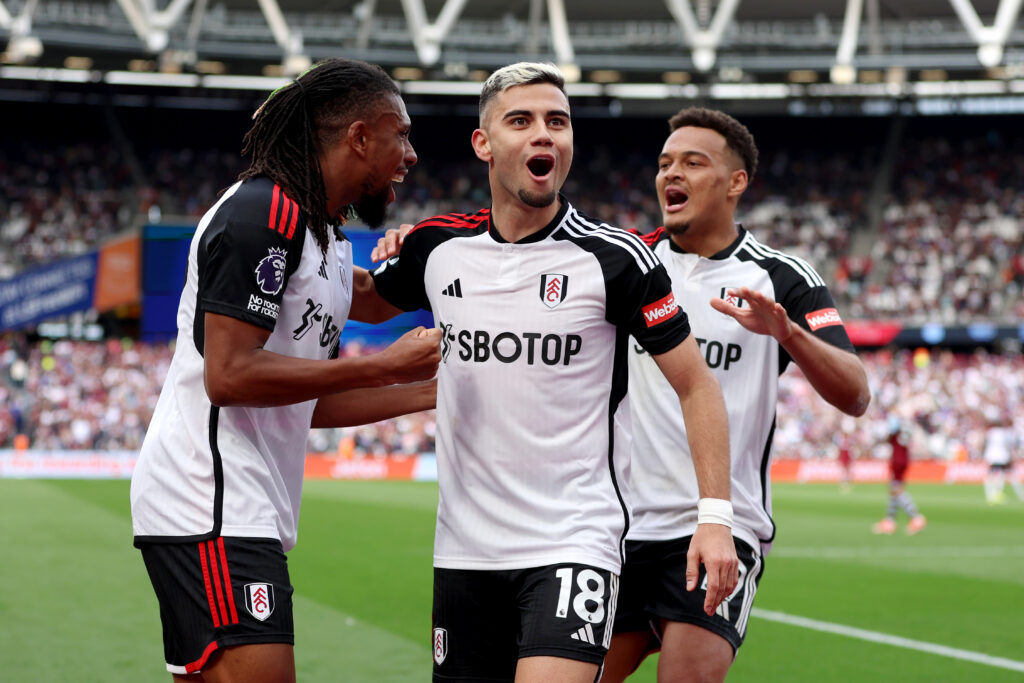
485 621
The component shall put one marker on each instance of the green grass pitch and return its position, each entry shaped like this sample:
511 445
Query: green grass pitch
944 605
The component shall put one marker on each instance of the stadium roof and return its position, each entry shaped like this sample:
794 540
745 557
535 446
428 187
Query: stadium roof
754 47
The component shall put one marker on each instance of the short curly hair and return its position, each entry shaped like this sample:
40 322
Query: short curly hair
737 137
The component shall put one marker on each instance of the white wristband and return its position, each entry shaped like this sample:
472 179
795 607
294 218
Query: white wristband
714 511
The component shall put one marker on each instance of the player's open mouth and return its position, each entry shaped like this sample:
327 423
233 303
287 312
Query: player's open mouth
675 199
540 166
398 177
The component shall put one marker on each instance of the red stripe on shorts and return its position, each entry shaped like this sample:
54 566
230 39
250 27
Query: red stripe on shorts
216 582
195 666
227 580
209 587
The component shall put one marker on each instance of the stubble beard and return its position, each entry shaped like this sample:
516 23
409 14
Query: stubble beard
536 199
372 206
678 229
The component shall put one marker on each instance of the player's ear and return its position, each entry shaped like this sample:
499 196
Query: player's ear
358 137
482 145
737 182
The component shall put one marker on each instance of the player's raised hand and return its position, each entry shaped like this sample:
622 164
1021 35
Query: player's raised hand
391 243
712 546
762 315
415 355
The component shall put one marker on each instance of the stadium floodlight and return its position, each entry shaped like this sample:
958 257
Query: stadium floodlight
441 88
703 58
150 78
31 73
295 64
259 83
753 91
842 74
571 72
22 49
652 91
990 54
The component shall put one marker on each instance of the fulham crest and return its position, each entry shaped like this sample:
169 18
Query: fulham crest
552 288
259 599
440 645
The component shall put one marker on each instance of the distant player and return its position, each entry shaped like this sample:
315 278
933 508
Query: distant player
754 310
844 447
215 493
899 499
1000 443
537 303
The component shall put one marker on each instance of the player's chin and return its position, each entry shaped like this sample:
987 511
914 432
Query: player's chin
674 225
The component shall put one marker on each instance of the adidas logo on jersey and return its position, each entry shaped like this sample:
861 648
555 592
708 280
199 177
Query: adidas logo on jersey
454 289
323 269
586 634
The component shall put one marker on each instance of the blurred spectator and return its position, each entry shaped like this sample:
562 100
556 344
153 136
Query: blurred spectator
100 395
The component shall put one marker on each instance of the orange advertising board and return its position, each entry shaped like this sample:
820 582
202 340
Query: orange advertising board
118 275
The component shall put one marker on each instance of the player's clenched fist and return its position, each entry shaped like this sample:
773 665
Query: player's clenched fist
417 354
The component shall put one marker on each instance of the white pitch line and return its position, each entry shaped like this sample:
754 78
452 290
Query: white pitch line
852 553
886 639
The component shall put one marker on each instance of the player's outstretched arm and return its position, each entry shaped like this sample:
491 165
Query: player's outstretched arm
238 371
363 406
707 429
835 373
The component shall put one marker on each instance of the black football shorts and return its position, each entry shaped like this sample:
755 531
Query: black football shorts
653 587
485 621
218 593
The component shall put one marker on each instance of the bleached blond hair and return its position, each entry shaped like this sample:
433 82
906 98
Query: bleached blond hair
520 73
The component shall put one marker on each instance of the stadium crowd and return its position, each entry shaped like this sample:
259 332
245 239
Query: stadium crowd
100 395
948 248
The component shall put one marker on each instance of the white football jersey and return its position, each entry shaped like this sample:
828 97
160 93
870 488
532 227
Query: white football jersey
999 446
747 367
532 420
206 471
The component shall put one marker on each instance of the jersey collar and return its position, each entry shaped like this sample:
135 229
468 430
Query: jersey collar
722 255
540 234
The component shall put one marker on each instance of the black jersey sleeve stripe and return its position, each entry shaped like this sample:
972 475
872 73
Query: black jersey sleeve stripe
796 262
629 239
752 250
760 251
576 230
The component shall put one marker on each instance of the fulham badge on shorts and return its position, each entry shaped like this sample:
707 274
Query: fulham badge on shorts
552 288
440 645
259 599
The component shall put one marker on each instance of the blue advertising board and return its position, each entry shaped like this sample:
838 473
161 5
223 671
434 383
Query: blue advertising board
165 262
48 291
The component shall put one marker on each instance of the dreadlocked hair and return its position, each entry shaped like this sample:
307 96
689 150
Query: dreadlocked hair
305 117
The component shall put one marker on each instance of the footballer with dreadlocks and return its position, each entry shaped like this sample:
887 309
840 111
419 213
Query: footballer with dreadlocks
215 493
